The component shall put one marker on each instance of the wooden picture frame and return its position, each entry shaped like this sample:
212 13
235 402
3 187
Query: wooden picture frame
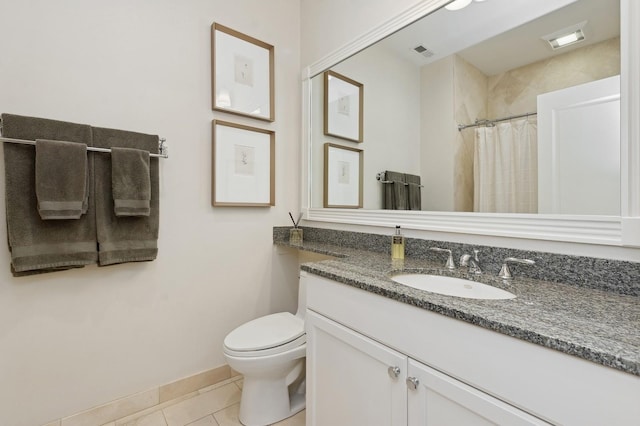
242 74
243 165
343 107
342 176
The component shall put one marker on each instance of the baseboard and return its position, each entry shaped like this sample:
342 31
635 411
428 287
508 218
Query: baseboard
197 381
131 404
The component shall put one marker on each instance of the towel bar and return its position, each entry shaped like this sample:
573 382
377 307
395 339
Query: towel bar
405 184
162 148
379 176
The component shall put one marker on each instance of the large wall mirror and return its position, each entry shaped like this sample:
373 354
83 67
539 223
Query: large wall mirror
506 117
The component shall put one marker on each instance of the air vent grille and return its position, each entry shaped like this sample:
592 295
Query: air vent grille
427 53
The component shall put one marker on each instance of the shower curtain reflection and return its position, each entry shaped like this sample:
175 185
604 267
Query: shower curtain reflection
506 167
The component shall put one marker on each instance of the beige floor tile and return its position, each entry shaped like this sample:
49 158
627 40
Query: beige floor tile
154 419
297 420
228 416
54 423
128 419
201 405
205 421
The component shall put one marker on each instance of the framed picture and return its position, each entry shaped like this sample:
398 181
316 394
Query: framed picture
342 176
343 99
242 74
243 165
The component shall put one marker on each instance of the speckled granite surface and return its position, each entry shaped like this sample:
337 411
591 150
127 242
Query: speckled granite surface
596 324
612 275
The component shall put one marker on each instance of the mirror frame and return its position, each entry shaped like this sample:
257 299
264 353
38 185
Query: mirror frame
623 230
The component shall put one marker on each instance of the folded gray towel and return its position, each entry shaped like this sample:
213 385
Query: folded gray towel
124 239
61 179
395 194
414 192
35 244
130 181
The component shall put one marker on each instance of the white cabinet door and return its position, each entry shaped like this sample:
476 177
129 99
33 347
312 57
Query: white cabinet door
349 380
440 400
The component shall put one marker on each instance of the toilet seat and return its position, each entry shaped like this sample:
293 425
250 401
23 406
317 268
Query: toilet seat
266 335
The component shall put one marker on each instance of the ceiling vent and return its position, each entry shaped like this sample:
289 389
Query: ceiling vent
423 51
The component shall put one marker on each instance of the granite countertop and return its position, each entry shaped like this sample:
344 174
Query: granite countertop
596 325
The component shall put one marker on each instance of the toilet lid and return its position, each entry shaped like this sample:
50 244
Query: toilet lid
265 332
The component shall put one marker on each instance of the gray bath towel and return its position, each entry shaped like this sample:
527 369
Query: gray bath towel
37 245
132 238
130 181
395 194
413 191
61 179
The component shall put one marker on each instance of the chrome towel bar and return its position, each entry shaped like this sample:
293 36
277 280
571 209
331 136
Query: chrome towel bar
162 148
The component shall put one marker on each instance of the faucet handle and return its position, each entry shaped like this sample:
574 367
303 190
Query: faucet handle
449 264
505 272
475 255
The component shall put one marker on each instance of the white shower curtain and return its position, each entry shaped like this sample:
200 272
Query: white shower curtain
506 167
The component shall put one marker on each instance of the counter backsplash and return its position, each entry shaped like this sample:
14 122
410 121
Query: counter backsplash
621 277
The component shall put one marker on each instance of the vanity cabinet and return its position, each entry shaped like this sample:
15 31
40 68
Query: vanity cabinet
362 347
442 400
354 380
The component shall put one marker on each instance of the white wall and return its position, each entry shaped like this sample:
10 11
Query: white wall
72 340
330 24
438 134
391 115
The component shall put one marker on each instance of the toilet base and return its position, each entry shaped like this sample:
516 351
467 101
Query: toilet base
264 402
274 386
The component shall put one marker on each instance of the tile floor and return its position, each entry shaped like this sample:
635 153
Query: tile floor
215 405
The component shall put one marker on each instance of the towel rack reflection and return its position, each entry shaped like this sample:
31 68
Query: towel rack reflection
162 148
381 177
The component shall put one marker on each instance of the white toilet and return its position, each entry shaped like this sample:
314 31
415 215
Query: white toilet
270 353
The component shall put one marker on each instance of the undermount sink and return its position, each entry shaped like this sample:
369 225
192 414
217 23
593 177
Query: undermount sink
451 286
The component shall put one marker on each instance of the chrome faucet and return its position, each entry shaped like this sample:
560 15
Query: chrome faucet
449 264
472 262
505 273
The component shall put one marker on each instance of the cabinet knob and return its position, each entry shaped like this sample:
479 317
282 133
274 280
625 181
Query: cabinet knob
394 372
412 383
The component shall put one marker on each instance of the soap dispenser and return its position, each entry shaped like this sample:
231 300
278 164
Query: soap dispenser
397 245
